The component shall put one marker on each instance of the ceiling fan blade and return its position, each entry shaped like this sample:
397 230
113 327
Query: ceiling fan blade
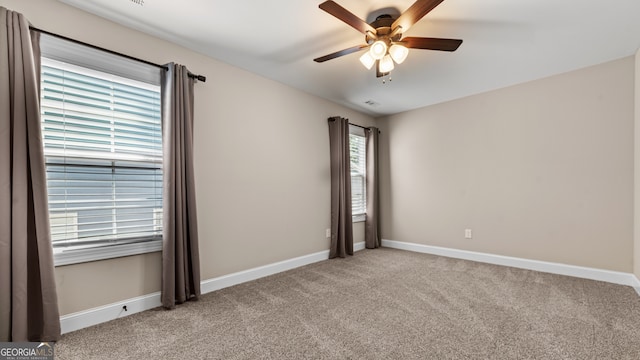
414 13
340 53
346 16
431 43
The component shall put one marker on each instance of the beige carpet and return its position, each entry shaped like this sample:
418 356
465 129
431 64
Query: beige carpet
382 304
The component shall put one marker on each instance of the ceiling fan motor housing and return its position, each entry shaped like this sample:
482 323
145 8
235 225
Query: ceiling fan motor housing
382 24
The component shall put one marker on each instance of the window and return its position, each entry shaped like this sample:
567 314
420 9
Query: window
102 135
358 174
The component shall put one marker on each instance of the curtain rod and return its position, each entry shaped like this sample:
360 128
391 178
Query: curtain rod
356 125
360 126
194 76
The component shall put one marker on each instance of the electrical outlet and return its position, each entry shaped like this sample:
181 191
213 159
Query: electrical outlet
467 234
327 233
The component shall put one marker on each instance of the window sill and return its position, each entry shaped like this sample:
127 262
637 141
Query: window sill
68 256
359 218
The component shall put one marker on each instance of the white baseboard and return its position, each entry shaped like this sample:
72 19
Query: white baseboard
636 284
94 316
614 277
240 277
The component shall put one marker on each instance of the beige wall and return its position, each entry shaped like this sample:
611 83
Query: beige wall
636 222
89 285
541 170
262 165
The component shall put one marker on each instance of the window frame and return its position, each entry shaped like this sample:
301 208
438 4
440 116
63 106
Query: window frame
78 55
358 131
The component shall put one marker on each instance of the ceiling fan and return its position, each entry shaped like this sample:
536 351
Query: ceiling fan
383 36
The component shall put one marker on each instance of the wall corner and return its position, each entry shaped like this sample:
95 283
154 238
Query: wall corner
636 167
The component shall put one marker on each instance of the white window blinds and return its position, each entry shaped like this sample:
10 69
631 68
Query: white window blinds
358 165
103 148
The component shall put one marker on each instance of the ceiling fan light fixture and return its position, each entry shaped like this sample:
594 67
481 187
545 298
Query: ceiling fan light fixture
378 50
398 53
367 60
386 64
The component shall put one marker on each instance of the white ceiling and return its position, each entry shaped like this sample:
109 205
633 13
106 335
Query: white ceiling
505 42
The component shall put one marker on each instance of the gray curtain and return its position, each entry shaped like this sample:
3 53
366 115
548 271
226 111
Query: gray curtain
180 258
372 223
28 300
341 221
